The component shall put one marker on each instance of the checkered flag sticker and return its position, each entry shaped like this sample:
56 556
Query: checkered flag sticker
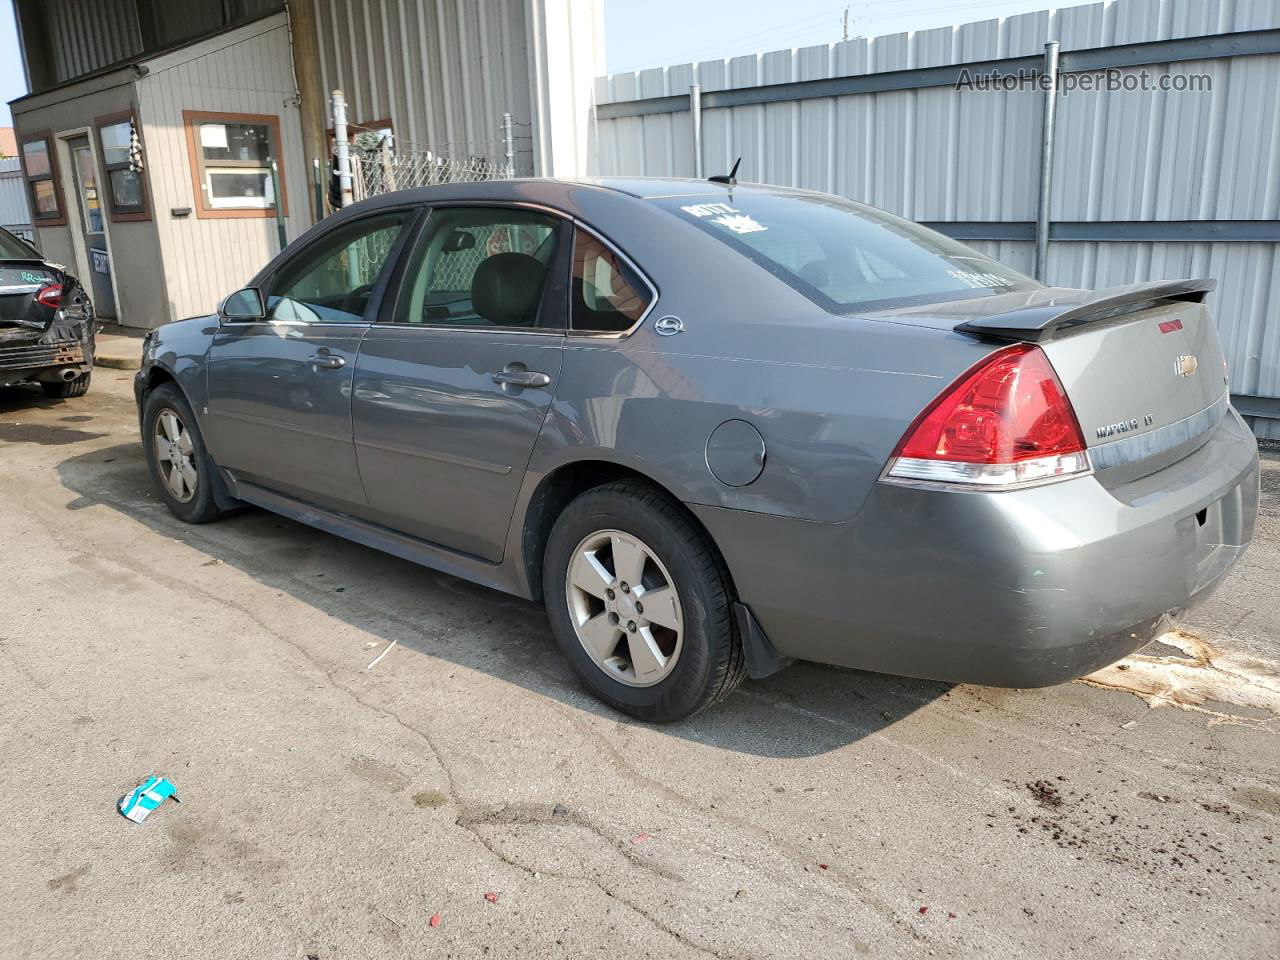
135 149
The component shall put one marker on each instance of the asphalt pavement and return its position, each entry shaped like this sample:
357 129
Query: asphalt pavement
463 797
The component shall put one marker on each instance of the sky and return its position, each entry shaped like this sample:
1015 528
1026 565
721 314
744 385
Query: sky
656 33
12 82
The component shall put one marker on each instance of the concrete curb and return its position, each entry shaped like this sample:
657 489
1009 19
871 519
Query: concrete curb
118 351
116 362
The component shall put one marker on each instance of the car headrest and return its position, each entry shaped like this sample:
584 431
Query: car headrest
506 287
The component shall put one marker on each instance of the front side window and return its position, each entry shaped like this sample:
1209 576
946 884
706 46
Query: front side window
332 280
121 152
845 256
231 158
482 267
607 295
46 199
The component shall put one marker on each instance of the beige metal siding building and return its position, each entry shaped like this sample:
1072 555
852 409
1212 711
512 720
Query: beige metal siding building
133 223
131 270
238 74
149 141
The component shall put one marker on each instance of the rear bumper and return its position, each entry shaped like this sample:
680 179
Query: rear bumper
1020 588
40 354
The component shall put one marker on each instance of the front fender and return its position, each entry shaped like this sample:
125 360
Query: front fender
179 352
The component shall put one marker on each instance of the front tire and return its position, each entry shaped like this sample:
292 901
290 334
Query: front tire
641 603
66 389
179 462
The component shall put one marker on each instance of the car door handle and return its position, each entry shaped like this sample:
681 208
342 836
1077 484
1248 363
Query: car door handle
328 361
522 378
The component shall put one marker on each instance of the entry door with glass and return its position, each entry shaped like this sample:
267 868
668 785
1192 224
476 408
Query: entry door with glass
91 223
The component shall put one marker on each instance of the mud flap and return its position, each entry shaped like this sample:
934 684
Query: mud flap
763 660
224 488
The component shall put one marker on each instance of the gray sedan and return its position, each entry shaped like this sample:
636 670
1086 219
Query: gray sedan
718 427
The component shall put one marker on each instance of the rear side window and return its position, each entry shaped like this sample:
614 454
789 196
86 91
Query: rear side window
11 248
845 256
483 267
608 295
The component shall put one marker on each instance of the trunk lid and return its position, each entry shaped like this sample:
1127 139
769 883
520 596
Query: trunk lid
1142 364
1147 390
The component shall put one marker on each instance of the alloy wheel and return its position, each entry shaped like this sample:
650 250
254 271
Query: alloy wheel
624 608
175 455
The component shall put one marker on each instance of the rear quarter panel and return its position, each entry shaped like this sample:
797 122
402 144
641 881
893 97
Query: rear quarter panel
831 396
828 423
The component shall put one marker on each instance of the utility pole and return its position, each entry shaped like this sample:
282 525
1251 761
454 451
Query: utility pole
844 23
306 71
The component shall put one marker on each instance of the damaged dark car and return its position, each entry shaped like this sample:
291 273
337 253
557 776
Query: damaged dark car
46 323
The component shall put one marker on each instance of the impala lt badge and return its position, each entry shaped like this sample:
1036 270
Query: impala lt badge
1122 426
1185 365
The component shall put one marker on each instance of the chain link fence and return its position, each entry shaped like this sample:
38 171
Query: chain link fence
373 174
378 167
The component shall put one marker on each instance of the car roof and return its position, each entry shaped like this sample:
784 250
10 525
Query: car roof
556 191
652 188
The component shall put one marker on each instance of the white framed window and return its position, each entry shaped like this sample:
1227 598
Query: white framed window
231 157
232 188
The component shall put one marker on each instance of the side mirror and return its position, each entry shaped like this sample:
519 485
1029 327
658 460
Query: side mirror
244 304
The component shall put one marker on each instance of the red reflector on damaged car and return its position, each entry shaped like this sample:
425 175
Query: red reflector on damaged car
50 296
1006 421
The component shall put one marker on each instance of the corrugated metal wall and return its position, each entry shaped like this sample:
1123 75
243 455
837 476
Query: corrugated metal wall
247 70
15 215
89 34
443 71
937 154
177 22
86 35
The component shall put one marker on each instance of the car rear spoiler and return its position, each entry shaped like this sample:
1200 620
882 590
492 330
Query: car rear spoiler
1051 319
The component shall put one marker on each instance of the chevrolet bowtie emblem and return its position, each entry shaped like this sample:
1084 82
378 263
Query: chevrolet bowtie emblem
1185 365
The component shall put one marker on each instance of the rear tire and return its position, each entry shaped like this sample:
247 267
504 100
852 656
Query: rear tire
179 463
66 389
668 662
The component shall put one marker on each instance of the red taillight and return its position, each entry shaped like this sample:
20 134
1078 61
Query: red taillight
50 296
1006 421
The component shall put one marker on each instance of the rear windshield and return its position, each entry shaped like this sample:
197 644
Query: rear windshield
11 248
847 257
